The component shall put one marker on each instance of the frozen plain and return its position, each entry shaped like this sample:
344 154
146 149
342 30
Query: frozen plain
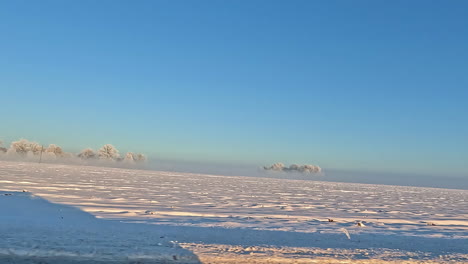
52 213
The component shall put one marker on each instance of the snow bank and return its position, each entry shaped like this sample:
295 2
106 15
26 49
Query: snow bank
34 230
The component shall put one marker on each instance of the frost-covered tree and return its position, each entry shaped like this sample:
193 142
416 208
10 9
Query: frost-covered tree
21 146
275 167
24 146
35 148
310 169
131 157
55 150
87 154
108 152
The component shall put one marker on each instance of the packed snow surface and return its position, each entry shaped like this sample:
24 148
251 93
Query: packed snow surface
53 213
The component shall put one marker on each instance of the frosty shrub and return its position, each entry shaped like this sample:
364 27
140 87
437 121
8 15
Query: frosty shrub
108 152
87 154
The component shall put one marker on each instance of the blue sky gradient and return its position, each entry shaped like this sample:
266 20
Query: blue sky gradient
348 85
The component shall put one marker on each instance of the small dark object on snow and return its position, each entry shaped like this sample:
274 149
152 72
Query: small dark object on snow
431 224
174 257
8 194
331 220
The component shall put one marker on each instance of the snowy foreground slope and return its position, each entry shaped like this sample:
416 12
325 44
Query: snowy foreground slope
79 214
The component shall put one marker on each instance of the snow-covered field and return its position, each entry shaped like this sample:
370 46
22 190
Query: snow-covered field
80 214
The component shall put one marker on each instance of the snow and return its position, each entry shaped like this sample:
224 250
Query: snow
82 213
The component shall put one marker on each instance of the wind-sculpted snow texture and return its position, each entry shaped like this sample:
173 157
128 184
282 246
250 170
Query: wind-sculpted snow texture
147 215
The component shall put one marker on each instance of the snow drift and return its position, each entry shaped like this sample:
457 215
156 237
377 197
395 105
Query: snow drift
35 230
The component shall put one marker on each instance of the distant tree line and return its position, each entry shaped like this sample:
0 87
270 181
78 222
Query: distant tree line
280 167
26 148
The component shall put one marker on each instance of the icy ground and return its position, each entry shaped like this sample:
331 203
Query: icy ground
79 214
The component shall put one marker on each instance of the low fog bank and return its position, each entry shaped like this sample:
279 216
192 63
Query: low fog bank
331 175
107 155
402 179
230 169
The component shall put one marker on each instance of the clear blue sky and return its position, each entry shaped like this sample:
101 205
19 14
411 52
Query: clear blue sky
371 85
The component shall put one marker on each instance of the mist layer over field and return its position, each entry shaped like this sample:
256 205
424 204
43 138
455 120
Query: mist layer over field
328 174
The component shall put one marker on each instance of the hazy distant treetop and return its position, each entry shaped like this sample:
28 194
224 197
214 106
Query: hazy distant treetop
275 167
35 148
55 149
87 154
294 168
134 157
129 156
108 152
24 146
140 157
